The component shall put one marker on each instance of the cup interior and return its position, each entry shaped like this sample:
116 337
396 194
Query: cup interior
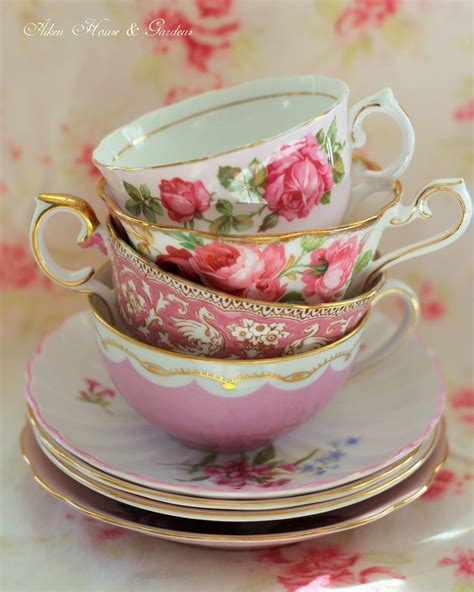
206 124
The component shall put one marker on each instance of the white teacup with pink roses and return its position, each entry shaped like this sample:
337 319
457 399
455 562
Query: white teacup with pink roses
302 267
268 154
307 267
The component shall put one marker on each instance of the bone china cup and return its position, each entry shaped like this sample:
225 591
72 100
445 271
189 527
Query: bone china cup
276 153
234 404
164 310
307 267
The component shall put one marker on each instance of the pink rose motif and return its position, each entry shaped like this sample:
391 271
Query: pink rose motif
237 473
465 112
463 561
463 398
177 261
214 7
362 15
18 269
85 158
320 569
443 480
183 199
242 270
463 401
298 176
202 39
331 269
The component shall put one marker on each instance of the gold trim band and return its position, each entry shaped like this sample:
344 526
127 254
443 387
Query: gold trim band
210 110
226 383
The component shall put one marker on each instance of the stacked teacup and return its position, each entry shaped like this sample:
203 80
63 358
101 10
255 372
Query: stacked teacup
242 237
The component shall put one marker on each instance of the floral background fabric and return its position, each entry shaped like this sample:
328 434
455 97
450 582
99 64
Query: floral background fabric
61 94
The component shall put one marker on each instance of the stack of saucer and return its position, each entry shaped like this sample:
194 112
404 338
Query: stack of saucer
374 449
228 385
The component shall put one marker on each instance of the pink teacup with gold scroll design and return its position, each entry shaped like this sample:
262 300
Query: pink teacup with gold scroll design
276 152
309 267
237 404
164 310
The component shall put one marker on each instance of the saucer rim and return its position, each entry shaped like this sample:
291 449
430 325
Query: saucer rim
196 538
216 503
259 515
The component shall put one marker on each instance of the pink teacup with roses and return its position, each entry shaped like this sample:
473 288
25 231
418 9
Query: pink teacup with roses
309 267
268 154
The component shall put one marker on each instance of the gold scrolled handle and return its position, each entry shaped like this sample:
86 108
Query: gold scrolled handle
421 210
92 232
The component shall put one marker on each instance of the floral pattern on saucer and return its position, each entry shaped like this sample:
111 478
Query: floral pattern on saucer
263 468
96 393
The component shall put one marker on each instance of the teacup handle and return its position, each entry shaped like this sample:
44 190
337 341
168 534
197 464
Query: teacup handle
92 232
419 209
407 325
374 180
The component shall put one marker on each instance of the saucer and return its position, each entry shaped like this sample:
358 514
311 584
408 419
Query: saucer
354 487
226 535
242 515
379 416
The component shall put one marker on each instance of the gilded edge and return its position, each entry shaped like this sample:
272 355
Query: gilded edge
165 507
226 383
210 110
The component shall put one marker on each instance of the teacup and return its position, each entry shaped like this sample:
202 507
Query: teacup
228 404
166 311
308 267
272 153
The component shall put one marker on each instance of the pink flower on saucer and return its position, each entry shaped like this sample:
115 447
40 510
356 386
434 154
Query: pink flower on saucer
238 473
330 270
183 199
298 177
463 562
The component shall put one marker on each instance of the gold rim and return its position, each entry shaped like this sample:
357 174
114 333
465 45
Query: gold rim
156 506
256 238
155 269
143 137
192 536
140 489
